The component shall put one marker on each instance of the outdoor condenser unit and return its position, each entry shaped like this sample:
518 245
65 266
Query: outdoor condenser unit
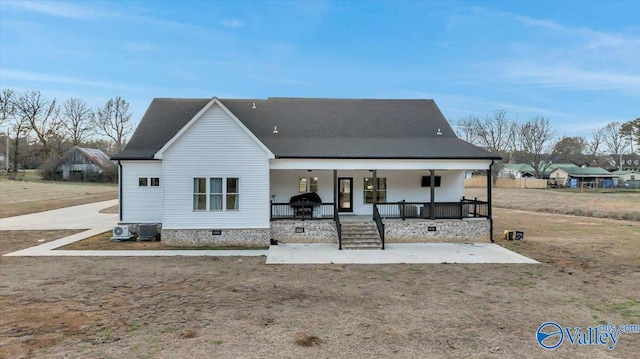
149 231
121 233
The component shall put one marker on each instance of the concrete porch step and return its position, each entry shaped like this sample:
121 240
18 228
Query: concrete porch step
360 235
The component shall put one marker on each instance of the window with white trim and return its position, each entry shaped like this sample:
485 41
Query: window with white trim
308 184
216 194
381 193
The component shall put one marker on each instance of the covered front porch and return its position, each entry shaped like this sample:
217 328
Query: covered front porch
425 198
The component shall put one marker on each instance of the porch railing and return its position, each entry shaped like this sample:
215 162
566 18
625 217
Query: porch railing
466 208
303 211
379 223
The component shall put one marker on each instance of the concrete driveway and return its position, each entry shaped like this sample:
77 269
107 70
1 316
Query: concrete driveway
85 216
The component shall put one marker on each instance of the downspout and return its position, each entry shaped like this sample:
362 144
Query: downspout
120 190
489 212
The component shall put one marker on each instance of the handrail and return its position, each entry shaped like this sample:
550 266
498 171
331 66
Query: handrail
336 218
466 208
302 211
379 223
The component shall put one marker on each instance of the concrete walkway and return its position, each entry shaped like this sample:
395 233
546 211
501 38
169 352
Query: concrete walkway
321 253
85 216
88 217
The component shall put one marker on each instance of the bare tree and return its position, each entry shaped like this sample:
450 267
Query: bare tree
614 138
113 120
7 105
41 115
20 128
77 119
465 129
535 139
592 147
631 130
494 132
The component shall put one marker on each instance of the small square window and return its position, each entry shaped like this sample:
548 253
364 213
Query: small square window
142 182
155 182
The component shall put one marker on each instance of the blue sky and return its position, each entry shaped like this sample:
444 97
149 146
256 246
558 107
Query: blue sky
575 62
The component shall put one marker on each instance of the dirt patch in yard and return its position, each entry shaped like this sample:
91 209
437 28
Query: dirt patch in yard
229 307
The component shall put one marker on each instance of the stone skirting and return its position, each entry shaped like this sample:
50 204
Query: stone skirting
316 231
444 230
292 231
203 237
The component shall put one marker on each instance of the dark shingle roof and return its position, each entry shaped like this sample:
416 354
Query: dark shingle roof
318 128
163 119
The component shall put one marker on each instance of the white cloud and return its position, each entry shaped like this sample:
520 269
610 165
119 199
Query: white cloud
55 8
566 77
16 75
232 23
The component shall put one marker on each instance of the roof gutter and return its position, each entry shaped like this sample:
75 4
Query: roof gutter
120 191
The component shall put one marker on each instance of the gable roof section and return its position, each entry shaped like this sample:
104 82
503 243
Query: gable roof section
318 128
184 128
96 156
162 120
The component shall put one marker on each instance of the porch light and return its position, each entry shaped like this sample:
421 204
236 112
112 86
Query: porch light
439 133
275 129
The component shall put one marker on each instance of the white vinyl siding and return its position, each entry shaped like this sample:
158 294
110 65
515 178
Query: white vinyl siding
141 203
216 147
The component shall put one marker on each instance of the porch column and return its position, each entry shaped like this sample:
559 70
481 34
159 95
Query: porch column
375 187
489 183
432 188
335 188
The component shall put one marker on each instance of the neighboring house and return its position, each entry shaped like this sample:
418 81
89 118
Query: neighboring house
224 171
83 164
594 177
628 179
523 170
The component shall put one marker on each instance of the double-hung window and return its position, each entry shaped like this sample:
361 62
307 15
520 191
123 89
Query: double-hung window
308 184
381 190
216 194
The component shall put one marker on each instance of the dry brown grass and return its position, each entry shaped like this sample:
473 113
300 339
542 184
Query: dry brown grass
23 197
623 205
103 241
242 308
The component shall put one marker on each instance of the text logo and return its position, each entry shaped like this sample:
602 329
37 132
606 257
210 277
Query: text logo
549 335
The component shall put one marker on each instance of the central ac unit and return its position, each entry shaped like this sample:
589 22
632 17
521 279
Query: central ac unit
121 233
149 231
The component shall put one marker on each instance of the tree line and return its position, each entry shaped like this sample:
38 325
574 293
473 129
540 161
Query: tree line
537 144
40 130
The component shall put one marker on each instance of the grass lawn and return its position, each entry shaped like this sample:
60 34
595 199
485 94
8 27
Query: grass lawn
31 194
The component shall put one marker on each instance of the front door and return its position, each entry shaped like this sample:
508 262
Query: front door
345 194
